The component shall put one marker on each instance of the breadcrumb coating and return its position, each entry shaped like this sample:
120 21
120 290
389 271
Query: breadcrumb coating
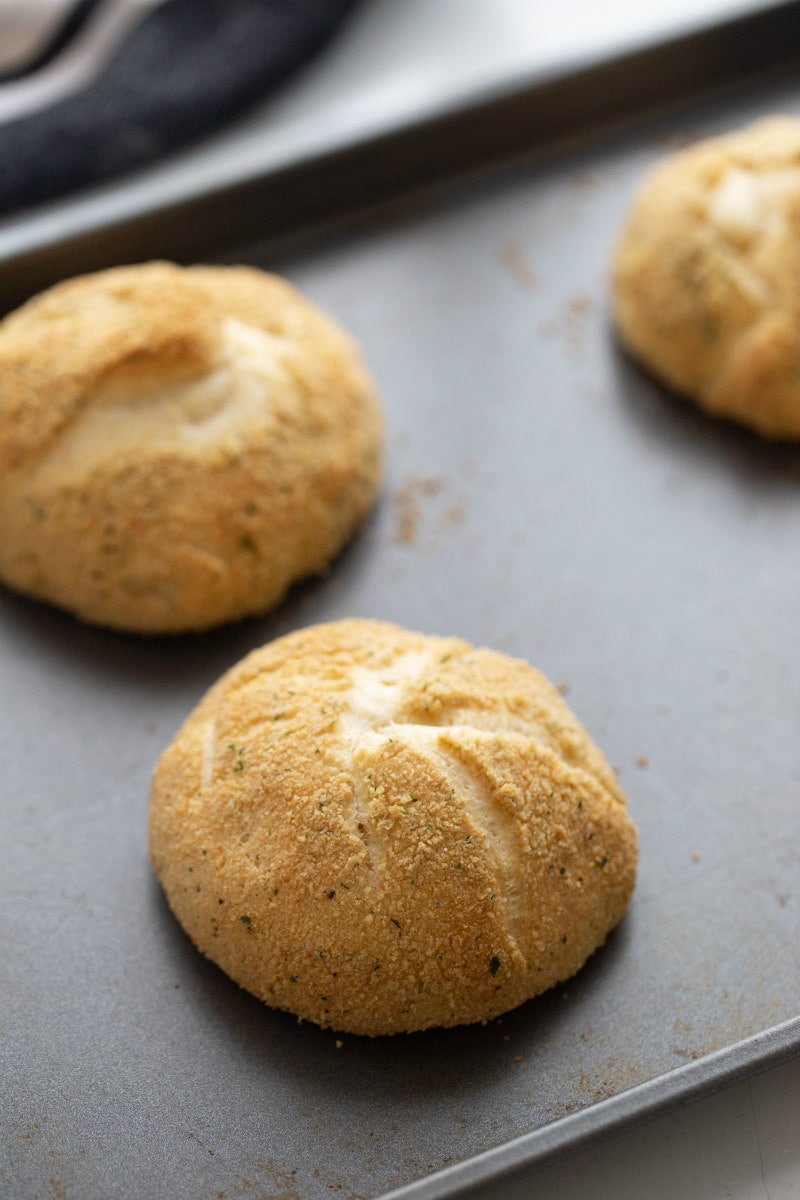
178 446
706 279
382 832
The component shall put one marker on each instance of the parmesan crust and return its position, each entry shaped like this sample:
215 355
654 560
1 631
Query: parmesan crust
178 446
706 279
382 832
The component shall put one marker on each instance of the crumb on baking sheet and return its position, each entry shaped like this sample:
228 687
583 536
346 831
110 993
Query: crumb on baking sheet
513 259
408 505
570 323
453 514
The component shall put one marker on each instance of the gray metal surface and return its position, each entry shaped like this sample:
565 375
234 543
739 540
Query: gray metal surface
542 497
279 177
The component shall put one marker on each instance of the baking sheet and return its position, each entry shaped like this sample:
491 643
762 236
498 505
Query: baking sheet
542 497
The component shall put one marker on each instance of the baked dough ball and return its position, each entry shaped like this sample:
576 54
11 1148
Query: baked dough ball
707 275
381 831
178 446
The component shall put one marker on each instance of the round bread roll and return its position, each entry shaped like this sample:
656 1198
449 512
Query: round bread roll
707 276
178 446
382 832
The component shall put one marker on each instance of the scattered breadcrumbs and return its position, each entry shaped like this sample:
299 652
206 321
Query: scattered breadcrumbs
408 506
512 257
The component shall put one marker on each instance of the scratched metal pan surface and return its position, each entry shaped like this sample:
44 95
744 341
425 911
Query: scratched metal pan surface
543 497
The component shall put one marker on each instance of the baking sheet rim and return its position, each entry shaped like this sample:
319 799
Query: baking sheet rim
683 1085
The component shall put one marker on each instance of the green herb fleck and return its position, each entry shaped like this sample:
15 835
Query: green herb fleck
602 862
245 919
237 750
395 922
494 965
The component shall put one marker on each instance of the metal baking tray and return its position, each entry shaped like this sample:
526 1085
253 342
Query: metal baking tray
543 497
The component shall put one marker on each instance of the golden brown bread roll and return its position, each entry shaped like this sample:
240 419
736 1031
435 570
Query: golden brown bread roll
178 446
381 831
707 275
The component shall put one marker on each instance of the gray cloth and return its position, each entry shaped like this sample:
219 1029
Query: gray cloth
185 68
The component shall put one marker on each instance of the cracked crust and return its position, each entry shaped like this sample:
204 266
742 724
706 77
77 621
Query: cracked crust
706 279
178 446
382 832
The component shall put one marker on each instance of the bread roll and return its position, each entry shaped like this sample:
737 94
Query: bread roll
707 275
178 446
381 831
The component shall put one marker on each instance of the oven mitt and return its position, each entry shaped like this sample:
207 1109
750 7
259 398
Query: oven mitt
92 89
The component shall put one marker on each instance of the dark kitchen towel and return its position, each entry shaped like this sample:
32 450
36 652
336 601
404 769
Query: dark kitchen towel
183 68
